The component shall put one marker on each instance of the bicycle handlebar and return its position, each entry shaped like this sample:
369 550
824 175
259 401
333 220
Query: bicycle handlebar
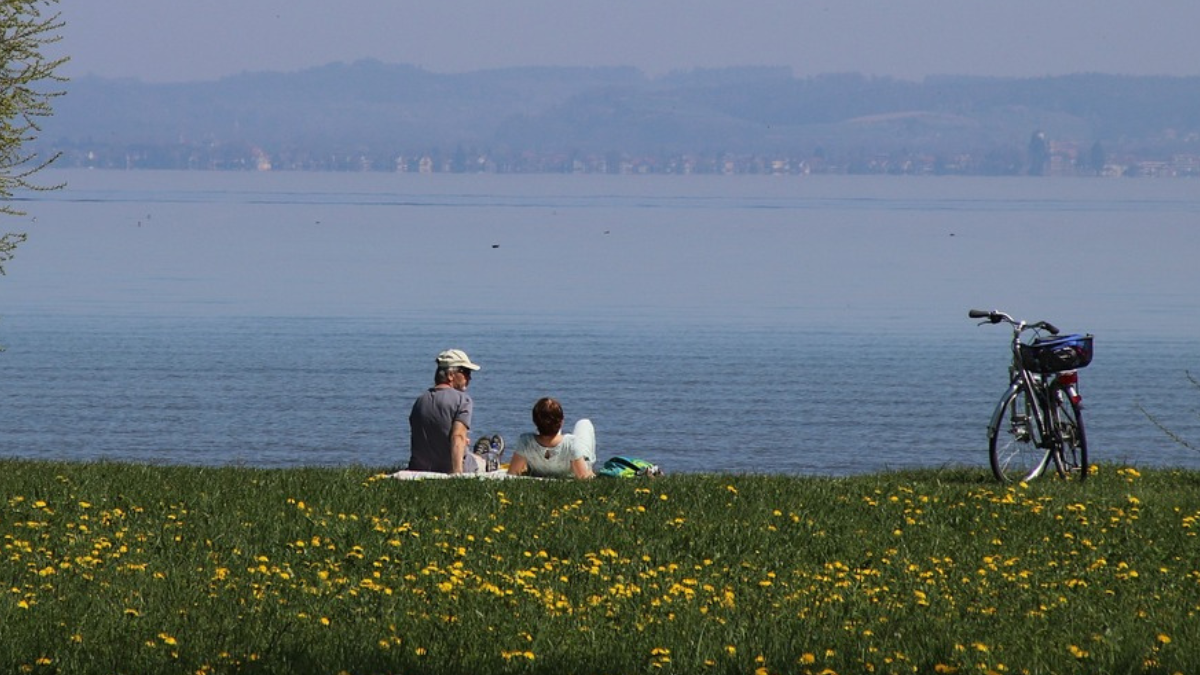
996 316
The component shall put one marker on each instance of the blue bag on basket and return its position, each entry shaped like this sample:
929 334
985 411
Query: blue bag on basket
628 467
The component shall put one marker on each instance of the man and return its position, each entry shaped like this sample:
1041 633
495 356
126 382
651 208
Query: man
441 419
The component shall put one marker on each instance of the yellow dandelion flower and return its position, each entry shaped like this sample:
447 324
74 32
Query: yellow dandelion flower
807 658
1164 639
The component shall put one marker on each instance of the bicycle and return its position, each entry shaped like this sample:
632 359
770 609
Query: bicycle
1038 420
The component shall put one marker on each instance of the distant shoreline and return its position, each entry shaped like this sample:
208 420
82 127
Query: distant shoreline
369 116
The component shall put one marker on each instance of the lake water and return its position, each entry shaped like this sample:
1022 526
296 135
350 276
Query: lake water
810 325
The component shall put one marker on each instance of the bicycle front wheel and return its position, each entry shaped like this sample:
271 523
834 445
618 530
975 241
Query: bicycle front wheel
1073 459
1013 440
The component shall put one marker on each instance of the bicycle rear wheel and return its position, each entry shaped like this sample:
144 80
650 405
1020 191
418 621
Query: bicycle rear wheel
1072 462
1013 440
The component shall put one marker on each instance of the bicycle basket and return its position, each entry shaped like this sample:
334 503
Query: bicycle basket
1058 353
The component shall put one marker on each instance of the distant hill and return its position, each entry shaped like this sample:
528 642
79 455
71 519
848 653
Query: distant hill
379 116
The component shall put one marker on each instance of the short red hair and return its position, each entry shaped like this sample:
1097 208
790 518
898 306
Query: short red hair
547 416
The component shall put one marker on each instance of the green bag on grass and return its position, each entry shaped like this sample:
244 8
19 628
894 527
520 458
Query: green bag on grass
628 467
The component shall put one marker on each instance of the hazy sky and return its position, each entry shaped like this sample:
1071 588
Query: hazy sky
181 40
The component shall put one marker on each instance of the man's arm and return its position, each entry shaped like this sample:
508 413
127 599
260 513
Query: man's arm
458 446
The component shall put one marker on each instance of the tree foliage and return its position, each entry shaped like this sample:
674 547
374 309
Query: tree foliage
28 86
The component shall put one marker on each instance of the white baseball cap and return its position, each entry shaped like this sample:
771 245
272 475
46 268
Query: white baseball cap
456 358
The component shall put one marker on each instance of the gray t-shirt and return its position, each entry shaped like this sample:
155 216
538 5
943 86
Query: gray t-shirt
432 417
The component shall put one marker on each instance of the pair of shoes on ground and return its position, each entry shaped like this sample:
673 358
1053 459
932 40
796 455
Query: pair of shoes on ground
491 449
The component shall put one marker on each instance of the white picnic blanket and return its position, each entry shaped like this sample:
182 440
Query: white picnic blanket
405 474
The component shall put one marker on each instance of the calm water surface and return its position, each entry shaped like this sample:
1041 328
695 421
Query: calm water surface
793 325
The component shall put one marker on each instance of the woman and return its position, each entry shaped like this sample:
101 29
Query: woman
550 453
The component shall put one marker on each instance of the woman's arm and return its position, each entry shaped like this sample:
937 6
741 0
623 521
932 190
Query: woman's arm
517 465
581 469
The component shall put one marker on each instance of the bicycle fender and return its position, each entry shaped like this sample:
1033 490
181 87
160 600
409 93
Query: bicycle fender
994 424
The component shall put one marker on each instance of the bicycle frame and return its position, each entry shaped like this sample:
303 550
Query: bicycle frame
1045 429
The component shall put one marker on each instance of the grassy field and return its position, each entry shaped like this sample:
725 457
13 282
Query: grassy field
110 568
